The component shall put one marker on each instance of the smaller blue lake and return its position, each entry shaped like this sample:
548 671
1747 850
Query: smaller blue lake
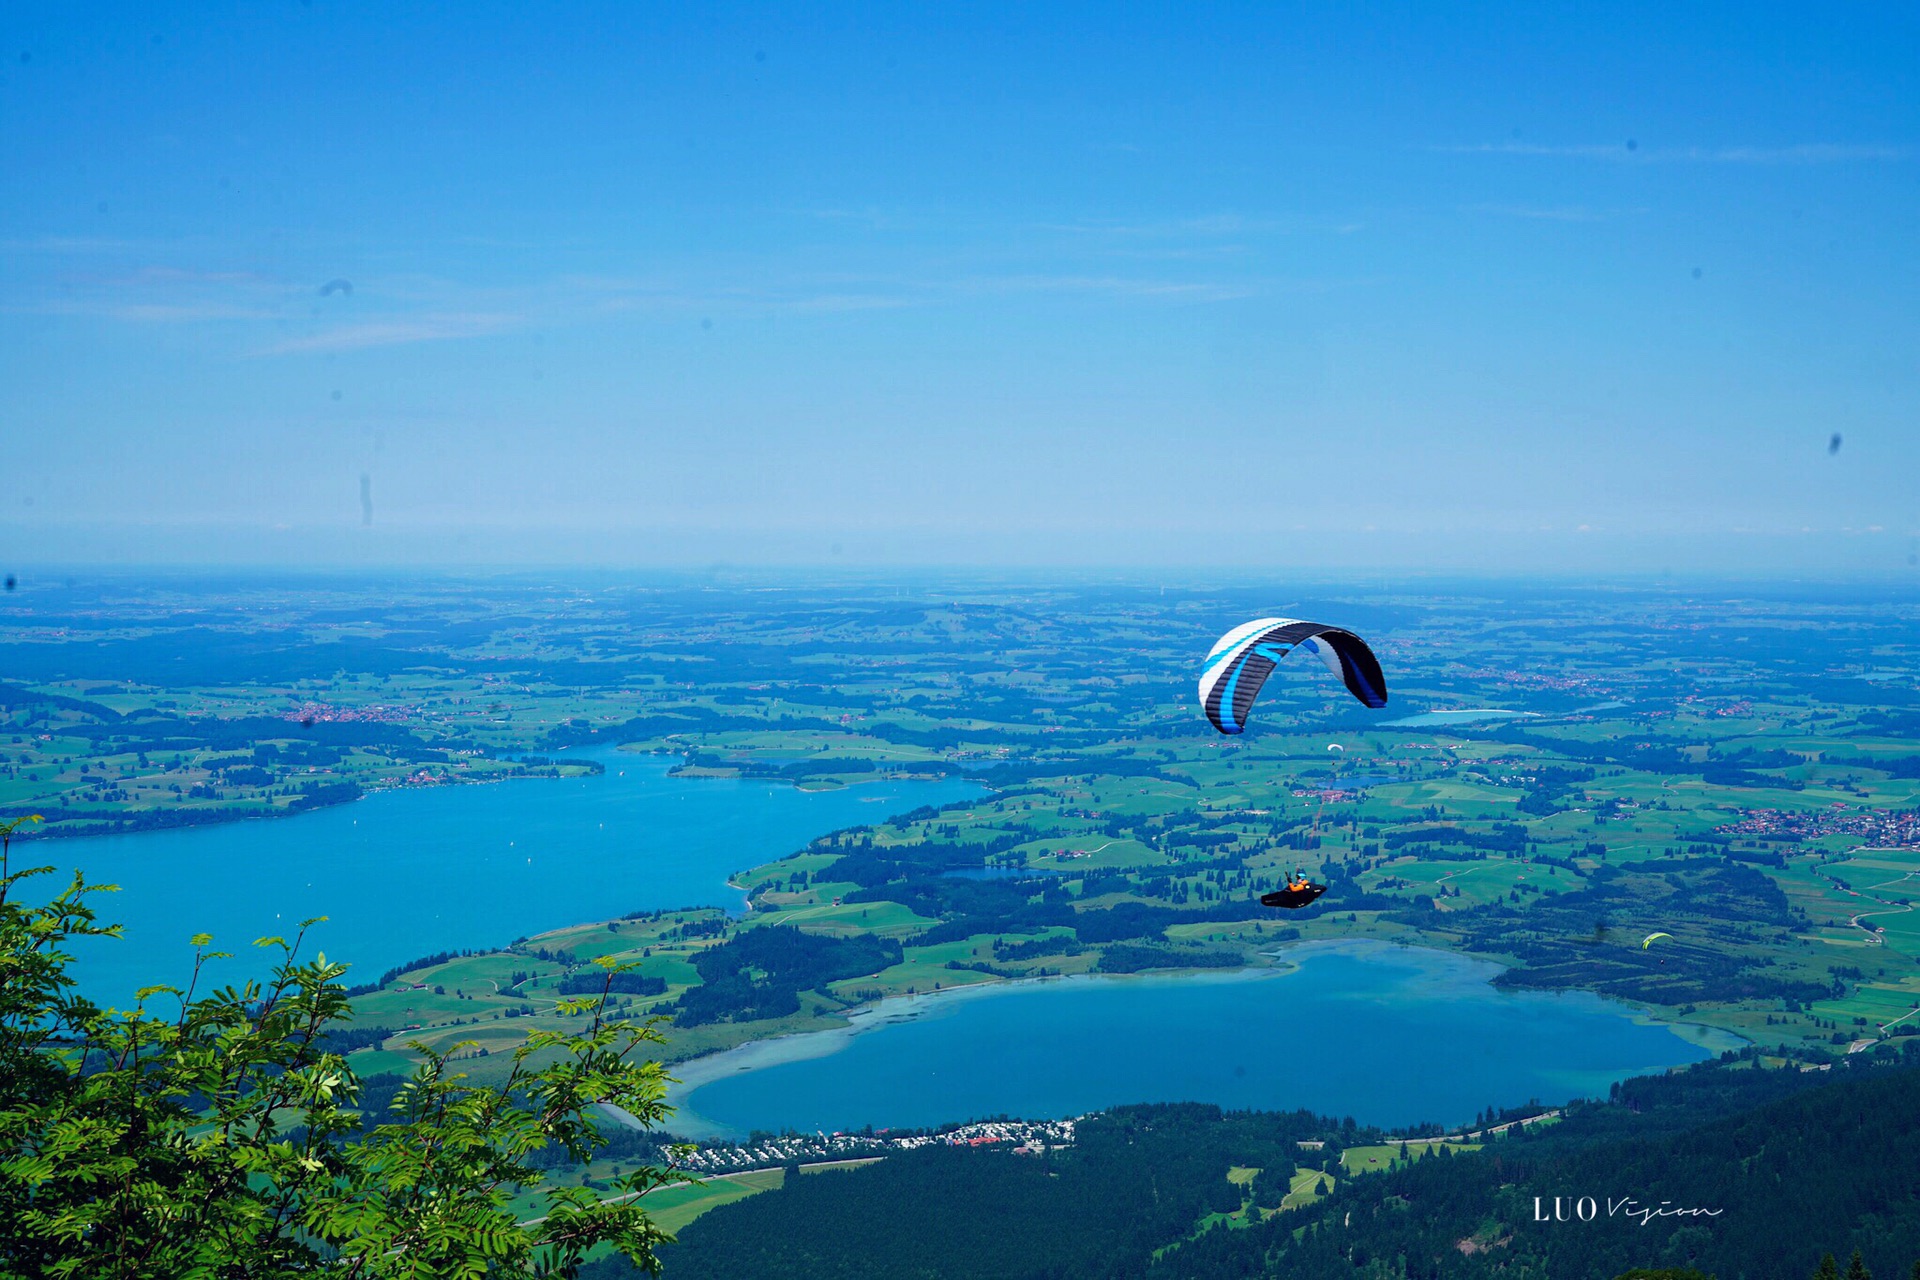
1433 718
403 874
1392 1035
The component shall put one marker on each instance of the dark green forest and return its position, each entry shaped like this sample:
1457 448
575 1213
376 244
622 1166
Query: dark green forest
1797 1164
760 973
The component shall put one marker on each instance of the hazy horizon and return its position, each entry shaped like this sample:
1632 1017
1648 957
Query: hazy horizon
965 579
1359 558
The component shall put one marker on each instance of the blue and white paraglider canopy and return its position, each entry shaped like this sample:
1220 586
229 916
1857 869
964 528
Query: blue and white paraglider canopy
1241 660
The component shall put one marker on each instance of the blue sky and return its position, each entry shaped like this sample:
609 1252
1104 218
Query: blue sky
1385 287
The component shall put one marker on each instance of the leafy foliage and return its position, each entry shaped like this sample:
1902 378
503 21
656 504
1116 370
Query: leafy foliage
223 1141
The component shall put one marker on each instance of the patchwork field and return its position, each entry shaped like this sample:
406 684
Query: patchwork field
1687 763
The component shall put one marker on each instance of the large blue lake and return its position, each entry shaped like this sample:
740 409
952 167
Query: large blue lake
1392 1035
402 874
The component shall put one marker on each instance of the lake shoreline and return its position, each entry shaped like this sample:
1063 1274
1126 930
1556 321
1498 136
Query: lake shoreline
130 823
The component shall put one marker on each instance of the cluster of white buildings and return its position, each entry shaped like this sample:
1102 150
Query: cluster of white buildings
1880 828
1022 1137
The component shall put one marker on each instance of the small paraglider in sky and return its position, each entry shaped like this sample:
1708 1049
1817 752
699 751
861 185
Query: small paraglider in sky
1650 937
337 285
1833 444
1241 660
12 582
1299 892
1336 749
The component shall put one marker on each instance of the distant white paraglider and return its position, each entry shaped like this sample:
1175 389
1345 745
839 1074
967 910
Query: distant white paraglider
1336 748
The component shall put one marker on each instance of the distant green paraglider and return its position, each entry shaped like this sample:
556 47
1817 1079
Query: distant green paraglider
1648 941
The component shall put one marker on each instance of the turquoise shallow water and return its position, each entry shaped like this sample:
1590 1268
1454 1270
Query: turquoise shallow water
402 874
1391 1035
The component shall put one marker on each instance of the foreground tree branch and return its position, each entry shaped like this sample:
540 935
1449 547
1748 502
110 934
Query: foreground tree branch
222 1141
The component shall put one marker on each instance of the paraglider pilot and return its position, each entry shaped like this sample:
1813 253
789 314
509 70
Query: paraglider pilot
1298 893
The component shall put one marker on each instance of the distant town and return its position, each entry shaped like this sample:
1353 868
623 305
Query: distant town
1020 1137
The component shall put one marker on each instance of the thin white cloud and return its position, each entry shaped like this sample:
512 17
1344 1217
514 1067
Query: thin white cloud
848 291
175 277
400 332
874 219
829 302
182 312
144 312
1175 253
1623 153
1812 153
396 310
67 245
1217 224
1555 213
1122 286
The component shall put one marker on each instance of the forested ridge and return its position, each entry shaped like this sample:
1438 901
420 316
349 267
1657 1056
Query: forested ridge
1137 1178
1826 1169
760 973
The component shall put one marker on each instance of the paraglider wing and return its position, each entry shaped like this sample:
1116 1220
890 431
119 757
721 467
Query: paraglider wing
1241 660
1650 937
1292 897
